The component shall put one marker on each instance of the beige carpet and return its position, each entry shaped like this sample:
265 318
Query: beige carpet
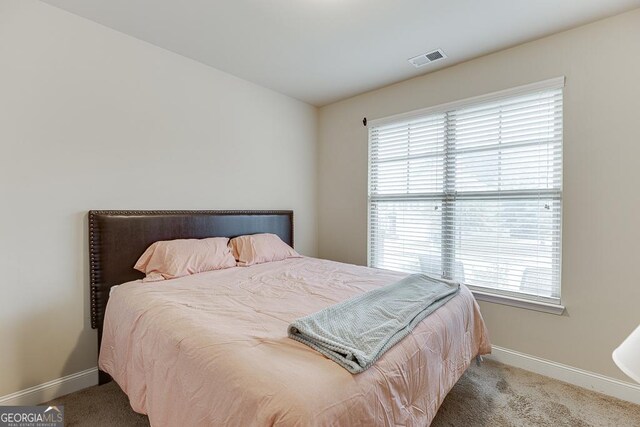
491 395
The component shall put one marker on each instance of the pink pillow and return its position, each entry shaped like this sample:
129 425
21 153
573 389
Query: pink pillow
169 259
259 248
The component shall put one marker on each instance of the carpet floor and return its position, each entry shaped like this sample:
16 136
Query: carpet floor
490 395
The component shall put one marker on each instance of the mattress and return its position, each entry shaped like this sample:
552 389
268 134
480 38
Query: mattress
212 349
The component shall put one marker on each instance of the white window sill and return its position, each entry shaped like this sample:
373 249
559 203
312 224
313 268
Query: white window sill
519 302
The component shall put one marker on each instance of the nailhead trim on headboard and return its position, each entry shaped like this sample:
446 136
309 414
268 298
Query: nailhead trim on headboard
94 271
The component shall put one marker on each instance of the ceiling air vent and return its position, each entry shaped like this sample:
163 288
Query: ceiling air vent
427 58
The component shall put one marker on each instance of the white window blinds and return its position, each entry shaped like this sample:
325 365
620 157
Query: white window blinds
472 192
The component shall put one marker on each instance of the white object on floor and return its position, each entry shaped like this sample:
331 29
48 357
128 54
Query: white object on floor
627 355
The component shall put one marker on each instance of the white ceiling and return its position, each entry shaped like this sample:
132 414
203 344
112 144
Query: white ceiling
320 51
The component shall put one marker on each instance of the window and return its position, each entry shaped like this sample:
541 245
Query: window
472 191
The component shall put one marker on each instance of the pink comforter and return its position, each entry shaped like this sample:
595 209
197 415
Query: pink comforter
212 349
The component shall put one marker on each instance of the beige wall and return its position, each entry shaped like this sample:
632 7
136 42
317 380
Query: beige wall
601 230
93 119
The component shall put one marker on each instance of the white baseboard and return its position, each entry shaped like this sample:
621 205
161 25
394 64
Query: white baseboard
579 377
51 389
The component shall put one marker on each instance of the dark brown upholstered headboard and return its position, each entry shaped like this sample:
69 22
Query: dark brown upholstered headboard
118 238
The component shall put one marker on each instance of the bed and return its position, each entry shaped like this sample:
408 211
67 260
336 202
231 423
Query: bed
212 348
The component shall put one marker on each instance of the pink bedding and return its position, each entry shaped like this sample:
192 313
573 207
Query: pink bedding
212 349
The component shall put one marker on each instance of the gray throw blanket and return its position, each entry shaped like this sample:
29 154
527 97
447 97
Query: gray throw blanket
356 332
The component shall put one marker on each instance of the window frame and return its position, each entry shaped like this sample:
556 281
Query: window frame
538 303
